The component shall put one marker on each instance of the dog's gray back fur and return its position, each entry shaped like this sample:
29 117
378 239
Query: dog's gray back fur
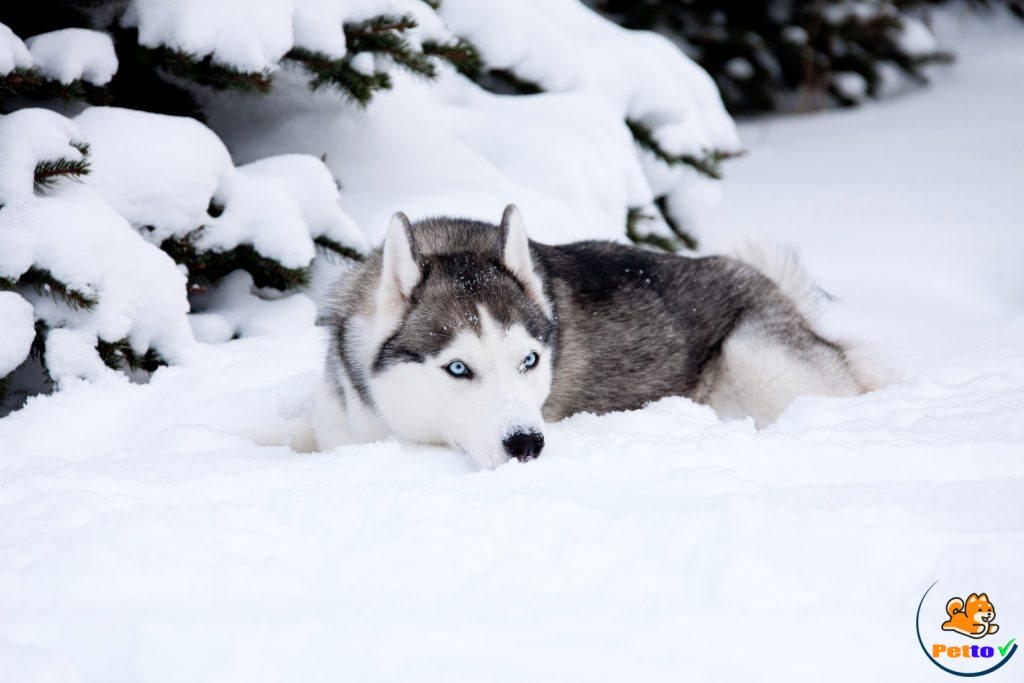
629 326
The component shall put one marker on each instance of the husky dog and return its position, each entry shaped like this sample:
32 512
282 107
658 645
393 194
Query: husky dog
465 333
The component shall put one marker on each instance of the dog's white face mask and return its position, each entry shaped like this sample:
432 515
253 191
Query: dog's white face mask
483 393
482 390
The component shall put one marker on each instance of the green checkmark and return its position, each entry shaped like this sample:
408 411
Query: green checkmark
1003 649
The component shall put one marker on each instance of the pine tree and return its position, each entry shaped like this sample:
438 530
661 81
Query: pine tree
162 80
146 77
791 55
47 174
652 226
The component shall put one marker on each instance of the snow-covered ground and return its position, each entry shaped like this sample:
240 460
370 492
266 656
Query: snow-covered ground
160 532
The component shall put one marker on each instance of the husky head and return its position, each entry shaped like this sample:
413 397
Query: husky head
465 339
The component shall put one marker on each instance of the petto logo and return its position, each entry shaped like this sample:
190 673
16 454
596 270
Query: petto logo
963 641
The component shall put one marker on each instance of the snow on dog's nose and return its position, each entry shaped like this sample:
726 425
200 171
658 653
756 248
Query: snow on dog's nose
524 444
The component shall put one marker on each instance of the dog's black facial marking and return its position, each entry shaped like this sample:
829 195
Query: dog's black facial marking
447 301
391 352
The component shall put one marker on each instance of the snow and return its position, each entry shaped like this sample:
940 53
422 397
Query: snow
564 157
253 35
643 75
915 39
78 238
232 309
187 167
18 324
850 85
177 530
151 177
13 53
313 189
27 137
183 162
81 241
73 54
739 68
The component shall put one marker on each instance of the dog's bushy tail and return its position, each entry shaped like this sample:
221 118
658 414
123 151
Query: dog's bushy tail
782 266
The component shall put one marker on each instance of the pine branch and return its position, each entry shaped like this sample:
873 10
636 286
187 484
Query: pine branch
206 71
37 351
44 283
330 248
119 355
634 217
30 83
709 164
384 35
47 173
689 241
460 53
339 74
382 23
141 83
208 267
19 80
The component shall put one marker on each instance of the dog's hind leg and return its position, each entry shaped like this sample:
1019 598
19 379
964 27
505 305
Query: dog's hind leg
764 365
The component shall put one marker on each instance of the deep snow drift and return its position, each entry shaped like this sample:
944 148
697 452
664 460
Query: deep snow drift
151 533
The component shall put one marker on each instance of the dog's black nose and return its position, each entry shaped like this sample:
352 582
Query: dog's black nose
524 445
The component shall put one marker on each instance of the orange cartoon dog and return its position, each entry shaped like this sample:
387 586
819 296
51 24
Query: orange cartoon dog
974 620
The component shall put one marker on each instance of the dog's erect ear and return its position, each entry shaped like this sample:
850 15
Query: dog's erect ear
972 598
982 596
399 271
515 255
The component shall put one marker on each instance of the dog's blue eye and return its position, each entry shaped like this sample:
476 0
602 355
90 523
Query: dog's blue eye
458 369
530 360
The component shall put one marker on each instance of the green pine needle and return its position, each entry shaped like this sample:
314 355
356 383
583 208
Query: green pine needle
47 173
708 164
208 267
339 74
119 355
384 35
44 283
30 83
460 53
634 218
688 240
20 80
38 349
207 71
82 147
330 248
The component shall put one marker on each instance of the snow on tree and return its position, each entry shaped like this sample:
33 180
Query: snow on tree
93 250
669 104
627 132
796 54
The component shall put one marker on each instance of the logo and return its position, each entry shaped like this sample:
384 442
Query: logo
963 641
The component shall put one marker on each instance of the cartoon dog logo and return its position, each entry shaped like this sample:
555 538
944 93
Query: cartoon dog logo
975 619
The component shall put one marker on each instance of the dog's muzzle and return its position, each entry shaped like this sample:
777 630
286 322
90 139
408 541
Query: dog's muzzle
524 445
